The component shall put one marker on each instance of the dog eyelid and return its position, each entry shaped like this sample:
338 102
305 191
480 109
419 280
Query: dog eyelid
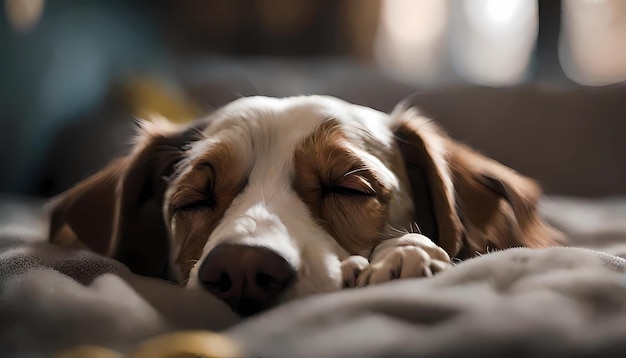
195 205
192 198
355 185
198 200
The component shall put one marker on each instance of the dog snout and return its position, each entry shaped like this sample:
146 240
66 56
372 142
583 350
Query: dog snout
247 278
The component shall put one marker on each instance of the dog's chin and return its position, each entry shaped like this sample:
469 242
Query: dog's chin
247 309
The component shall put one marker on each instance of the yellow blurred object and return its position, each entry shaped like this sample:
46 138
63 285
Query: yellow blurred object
183 344
187 344
147 97
88 352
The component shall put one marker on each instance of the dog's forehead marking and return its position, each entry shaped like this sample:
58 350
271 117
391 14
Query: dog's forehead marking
269 129
297 116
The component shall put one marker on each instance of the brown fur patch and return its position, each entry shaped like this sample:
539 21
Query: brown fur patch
323 162
213 180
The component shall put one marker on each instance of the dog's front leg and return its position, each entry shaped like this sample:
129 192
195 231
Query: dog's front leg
411 255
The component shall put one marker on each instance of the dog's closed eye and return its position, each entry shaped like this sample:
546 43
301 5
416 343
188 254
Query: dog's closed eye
196 204
352 185
197 193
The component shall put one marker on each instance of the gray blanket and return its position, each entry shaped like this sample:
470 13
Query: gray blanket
568 302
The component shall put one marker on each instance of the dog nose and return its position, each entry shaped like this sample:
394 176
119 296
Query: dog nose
247 278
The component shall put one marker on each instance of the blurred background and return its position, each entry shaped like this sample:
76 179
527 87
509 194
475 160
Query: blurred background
538 85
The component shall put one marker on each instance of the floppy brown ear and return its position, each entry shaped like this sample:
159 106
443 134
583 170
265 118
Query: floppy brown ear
422 146
499 206
465 202
87 210
118 211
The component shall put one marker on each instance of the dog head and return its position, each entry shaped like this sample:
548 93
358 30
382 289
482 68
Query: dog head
259 202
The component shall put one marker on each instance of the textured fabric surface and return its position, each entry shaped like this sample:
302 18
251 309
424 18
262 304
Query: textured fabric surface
554 302
52 298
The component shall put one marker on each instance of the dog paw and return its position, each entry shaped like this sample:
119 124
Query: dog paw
418 258
351 268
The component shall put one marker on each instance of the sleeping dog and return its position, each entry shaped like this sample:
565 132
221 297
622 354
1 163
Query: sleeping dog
270 199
